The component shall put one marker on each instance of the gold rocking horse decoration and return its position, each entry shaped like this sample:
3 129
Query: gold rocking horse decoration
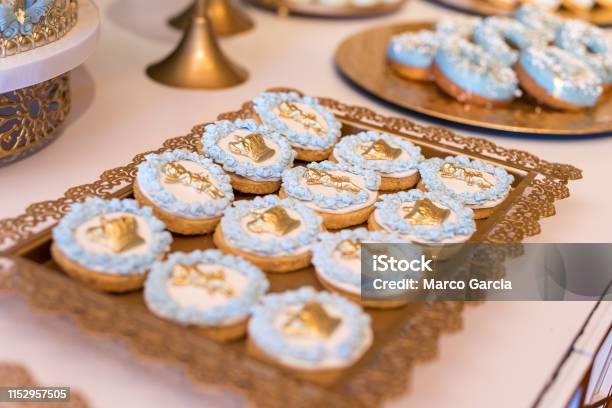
252 146
469 176
118 234
324 178
274 220
425 212
380 150
176 173
291 111
311 320
213 282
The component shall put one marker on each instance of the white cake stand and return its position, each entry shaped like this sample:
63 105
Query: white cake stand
35 87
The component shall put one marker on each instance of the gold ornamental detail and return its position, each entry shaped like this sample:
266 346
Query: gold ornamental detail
176 173
275 220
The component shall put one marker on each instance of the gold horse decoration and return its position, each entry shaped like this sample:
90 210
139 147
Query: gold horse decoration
118 234
311 320
349 249
291 111
379 150
274 220
469 176
425 212
176 173
213 282
324 178
252 146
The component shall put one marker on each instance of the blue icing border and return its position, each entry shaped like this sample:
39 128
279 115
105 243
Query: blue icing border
239 238
429 173
215 132
294 186
148 178
263 331
63 235
264 104
493 32
157 296
562 75
323 250
387 212
346 150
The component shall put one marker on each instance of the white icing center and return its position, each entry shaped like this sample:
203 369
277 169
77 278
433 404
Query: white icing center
232 137
399 174
82 236
186 193
330 343
202 299
297 126
460 186
327 191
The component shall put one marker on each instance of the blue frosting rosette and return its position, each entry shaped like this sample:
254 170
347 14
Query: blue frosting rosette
64 237
296 187
347 150
265 104
235 309
237 236
388 213
215 132
430 174
264 332
150 174
323 250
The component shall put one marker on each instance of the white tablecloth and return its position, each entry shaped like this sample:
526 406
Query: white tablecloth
503 356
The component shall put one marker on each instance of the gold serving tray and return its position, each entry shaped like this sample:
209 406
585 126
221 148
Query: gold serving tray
597 15
523 115
403 337
320 10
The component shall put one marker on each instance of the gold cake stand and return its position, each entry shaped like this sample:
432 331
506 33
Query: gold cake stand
523 115
597 15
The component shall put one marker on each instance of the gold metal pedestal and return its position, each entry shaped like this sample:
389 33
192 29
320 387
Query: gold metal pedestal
227 19
198 61
29 117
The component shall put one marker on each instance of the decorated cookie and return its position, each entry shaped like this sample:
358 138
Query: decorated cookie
411 54
186 191
206 289
317 333
343 195
558 79
109 245
254 156
311 129
274 234
395 159
423 217
478 185
337 261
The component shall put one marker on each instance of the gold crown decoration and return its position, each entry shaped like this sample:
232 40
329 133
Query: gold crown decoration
349 249
311 320
291 111
469 176
380 150
176 173
213 281
274 220
252 146
324 178
28 24
118 234
425 212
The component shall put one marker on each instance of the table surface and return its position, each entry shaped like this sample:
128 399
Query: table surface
505 353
